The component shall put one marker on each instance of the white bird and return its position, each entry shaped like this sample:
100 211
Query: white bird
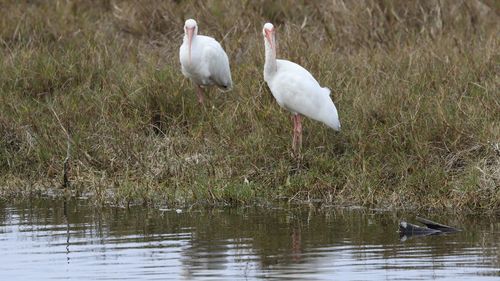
203 60
296 90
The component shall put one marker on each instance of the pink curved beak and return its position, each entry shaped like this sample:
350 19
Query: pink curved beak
270 39
190 32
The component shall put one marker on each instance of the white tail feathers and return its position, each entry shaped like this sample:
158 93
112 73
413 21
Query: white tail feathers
332 117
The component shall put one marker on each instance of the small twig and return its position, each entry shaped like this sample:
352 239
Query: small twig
68 151
323 21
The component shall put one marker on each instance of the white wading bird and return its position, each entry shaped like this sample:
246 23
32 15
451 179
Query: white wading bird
296 90
203 60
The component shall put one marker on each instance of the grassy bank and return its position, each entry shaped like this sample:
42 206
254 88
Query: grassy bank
416 86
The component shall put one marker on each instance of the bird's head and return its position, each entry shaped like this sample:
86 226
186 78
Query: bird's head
190 30
268 32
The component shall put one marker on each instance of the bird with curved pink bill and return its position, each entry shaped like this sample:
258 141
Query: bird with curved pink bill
296 90
204 61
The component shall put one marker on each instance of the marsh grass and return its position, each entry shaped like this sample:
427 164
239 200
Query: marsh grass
416 85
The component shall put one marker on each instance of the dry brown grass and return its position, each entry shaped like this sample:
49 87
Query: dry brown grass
416 85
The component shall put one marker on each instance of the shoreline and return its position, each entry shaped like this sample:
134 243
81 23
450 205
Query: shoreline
95 91
109 198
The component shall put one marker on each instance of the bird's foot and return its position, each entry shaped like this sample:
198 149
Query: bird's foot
296 154
296 163
200 94
201 99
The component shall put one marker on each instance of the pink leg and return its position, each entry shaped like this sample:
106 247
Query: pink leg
299 130
297 133
294 139
201 96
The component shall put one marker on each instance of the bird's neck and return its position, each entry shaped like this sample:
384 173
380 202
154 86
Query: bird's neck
270 66
185 39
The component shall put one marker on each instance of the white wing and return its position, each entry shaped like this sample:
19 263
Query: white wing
296 90
209 63
218 66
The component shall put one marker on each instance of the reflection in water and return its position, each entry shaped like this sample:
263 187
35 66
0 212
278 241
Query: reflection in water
54 240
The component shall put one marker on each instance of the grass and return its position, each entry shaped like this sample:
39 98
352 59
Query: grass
416 86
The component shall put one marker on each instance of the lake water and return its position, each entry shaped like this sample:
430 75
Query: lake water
45 239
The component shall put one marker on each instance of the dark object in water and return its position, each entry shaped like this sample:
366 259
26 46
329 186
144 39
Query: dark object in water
437 226
407 230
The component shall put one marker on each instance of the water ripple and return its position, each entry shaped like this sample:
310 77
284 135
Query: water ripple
225 245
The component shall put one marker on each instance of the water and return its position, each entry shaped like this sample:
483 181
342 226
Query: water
40 241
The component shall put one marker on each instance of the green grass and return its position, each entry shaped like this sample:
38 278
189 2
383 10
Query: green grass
416 86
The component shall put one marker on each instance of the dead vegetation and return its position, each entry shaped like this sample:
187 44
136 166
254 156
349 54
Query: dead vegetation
416 85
